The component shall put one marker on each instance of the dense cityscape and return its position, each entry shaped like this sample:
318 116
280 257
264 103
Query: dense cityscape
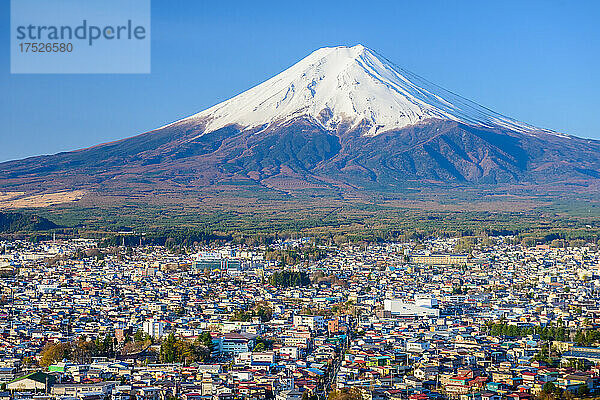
300 200
441 318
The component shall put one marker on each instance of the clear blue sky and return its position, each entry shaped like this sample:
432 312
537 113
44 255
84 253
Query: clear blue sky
537 61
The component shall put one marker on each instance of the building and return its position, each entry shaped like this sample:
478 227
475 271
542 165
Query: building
100 389
590 354
314 322
7 374
35 381
333 326
292 394
417 346
122 333
214 261
423 306
154 328
439 259
236 343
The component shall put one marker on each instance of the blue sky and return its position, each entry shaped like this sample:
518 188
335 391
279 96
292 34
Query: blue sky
536 61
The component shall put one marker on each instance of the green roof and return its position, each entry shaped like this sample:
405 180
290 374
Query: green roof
38 377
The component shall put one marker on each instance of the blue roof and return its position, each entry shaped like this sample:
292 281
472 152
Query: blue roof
261 363
315 371
582 354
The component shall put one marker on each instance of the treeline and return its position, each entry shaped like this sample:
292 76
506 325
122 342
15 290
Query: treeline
289 279
176 349
360 224
345 394
320 277
171 239
587 337
295 256
16 222
468 240
259 310
559 332
189 237
81 350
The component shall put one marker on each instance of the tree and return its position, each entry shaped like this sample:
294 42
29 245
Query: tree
346 394
174 349
134 347
206 340
167 349
289 279
548 388
83 350
139 336
107 348
185 351
263 344
54 352
28 361
260 310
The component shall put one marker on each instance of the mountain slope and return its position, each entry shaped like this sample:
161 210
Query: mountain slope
343 118
353 85
17 222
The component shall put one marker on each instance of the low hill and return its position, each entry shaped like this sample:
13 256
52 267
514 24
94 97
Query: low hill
16 222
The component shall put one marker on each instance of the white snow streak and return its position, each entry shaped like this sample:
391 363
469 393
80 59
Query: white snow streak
350 84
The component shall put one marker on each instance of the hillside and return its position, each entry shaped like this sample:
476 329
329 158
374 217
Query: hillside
11 222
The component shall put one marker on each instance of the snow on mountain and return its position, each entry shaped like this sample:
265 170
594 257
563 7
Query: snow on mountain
287 152
350 84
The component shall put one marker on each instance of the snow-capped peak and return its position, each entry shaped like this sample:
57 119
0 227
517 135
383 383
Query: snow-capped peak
350 84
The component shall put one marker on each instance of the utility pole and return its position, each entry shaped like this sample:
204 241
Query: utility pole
12 307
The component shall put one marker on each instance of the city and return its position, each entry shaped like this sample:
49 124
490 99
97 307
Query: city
300 200
434 319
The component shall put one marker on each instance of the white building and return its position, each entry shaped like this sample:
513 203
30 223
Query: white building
291 394
154 328
75 390
423 306
236 343
314 322
417 346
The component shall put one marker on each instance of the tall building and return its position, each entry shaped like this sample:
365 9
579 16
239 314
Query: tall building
314 322
154 328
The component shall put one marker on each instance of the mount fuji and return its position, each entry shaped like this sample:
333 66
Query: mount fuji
355 85
343 118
